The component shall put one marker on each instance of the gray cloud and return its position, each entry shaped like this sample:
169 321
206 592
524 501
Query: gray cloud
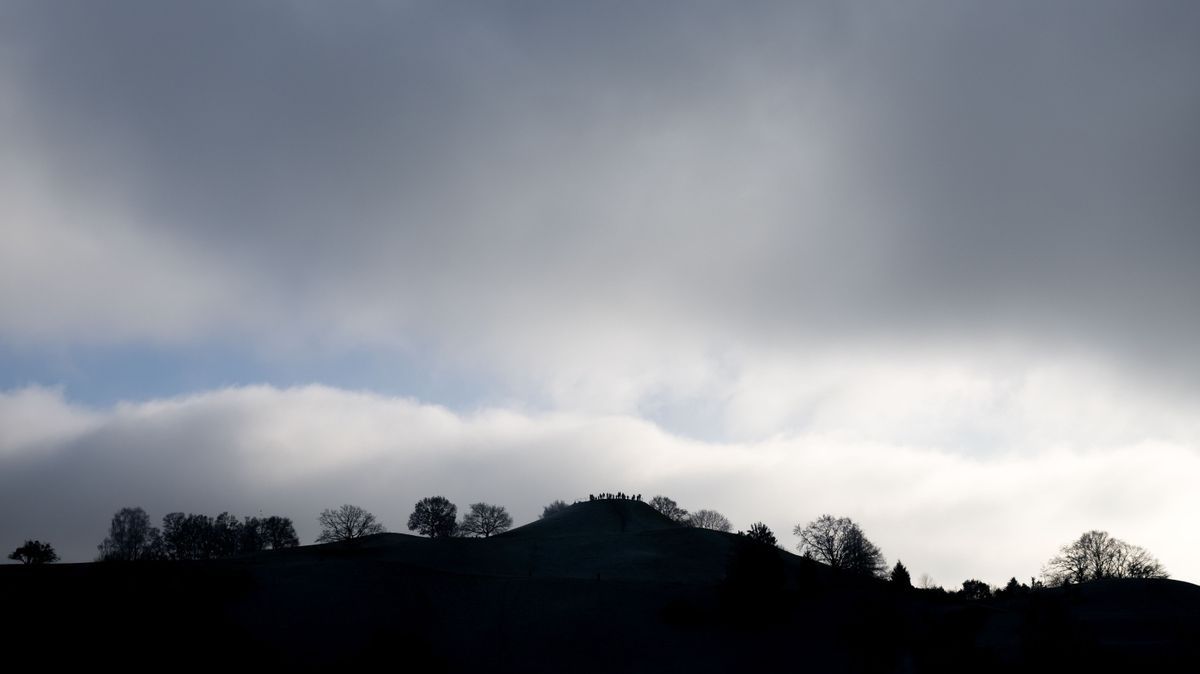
931 266
810 174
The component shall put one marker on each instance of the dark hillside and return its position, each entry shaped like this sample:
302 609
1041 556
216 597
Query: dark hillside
602 587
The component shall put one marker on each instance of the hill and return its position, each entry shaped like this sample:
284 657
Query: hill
603 586
610 516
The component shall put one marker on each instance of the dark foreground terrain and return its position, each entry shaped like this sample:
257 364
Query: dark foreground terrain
609 586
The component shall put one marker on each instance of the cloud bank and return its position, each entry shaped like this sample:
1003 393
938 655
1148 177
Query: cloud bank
296 451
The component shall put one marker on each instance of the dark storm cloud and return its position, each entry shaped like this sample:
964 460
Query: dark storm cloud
499 180
1038 164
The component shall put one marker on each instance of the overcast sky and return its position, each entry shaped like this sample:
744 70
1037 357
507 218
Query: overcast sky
933 266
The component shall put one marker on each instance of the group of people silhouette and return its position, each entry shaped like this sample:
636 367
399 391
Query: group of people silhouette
619 496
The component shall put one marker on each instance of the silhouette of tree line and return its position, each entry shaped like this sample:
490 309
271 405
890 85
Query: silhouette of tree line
186 536
435 517
837 542
1095 556
977 590
191 536
432 516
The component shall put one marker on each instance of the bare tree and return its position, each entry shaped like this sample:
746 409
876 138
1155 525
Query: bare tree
840 543
347 522
1139 563
554 508
1096 555
34 552
131 538
669 508
435 517
710 519
862 556
484 520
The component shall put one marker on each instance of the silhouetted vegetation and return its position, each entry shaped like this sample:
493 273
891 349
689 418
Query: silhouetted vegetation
975 590
1012 589
760 533
225 535
669 508
484 520
34 552
186 536
277 533
1097 555
131 538
709 519
675 597
435 517
840 543
190 536
346 523
554 508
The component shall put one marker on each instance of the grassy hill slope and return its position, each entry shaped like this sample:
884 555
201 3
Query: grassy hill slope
604 586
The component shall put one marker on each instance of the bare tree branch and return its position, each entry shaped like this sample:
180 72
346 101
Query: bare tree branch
347 522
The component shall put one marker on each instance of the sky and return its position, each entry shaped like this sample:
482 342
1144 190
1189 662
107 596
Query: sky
933 266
